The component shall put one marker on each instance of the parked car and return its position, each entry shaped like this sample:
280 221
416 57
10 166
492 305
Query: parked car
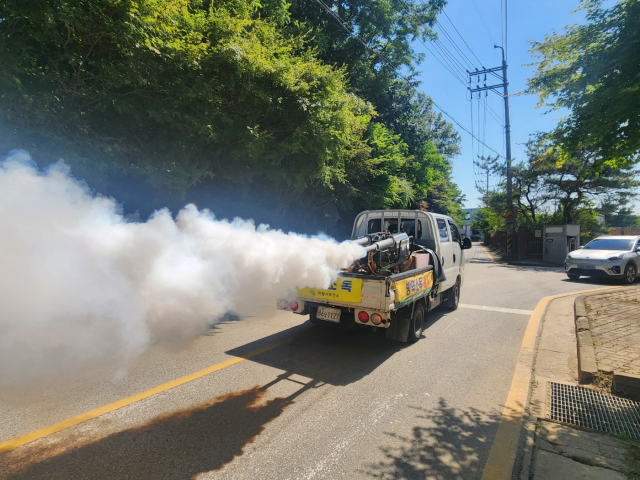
610 256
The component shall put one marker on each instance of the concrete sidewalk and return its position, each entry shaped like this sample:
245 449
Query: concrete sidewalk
553 450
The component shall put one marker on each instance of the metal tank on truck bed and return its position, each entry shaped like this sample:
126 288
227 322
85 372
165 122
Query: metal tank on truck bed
414 262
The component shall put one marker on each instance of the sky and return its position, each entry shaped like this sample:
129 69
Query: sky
479 23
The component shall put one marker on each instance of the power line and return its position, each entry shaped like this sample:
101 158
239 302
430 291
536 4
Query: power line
443 59
484 119
495 116
456 75
463 128
465 42
379 54
459 67
469 63
483 22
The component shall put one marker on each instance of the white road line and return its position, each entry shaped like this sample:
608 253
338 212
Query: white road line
496 309
449 325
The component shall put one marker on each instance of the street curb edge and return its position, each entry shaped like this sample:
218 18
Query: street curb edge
587 365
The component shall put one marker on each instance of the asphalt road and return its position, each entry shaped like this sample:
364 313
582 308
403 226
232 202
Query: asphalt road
322 404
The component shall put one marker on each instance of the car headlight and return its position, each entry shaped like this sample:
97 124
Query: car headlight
617 257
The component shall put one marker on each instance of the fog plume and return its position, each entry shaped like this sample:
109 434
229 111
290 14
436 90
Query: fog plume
79 283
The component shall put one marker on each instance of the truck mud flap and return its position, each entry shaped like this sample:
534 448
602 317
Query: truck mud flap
399 329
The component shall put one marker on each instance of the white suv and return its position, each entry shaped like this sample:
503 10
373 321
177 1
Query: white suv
610 256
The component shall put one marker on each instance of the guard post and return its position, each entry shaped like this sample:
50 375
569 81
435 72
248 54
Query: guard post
510 223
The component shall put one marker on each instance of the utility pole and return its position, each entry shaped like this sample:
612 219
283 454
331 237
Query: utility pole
510 217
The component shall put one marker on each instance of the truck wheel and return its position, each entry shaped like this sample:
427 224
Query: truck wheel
417 324
453 298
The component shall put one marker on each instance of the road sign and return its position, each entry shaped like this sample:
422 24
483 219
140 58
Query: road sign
510 214
549 240
538 233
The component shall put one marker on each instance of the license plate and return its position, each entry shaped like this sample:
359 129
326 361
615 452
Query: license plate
329 314
585 266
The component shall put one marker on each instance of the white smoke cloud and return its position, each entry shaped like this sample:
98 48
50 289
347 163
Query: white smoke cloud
79 283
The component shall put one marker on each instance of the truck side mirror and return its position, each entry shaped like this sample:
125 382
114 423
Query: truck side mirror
466 243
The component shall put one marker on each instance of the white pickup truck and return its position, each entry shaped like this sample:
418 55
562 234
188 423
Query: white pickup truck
414 262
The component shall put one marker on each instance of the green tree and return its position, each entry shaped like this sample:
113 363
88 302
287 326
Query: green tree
178 92
581 178
265 99
385 30
593 71
556 185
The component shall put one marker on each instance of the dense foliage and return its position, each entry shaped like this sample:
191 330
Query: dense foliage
264 102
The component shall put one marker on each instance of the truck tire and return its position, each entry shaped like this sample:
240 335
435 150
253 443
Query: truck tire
416 325
453 297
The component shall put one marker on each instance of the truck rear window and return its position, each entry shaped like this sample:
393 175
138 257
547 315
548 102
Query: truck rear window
407 225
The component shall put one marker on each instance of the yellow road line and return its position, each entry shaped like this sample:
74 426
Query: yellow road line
503 450
96 412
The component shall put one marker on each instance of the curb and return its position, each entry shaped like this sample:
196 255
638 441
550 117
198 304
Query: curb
587 365
625 384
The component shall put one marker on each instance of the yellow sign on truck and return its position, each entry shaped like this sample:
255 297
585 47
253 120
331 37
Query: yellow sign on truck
413 285
343 289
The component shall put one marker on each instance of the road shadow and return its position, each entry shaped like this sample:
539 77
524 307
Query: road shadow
229 317
433 317
327 355
595 281
525 267
536 268
178 445
481 260
445 443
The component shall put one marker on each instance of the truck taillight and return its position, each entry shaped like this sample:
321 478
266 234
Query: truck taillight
363 317
284 304
376 319
293 306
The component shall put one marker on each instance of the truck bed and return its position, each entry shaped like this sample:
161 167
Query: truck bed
371 292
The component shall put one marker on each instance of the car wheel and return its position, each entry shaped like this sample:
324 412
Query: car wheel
416 326
573 278
630 273
453 299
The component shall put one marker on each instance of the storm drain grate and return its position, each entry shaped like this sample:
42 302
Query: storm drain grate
597 411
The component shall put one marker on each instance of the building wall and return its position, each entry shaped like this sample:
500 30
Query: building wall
625 231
